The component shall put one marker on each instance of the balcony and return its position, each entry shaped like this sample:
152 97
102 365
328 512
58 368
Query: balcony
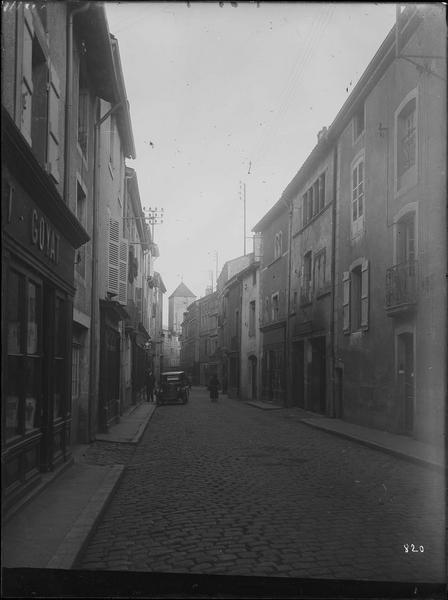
401 288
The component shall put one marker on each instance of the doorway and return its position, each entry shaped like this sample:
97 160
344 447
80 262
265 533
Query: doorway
406 381
298 375
253 377
318 374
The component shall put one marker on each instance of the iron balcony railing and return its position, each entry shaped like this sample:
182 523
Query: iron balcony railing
401 285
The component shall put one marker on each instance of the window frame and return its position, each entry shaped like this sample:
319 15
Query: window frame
408 178
358 224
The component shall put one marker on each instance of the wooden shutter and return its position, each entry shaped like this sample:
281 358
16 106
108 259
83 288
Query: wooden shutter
346 301
113 262
365 294
53 148
27 75
123 272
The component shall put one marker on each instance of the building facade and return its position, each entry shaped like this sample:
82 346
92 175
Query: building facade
250 332
392 212
274 229
178 303
208 336
40 239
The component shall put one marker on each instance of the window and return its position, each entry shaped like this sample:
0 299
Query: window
306 279
406 141
237 323
111 141
294 302
24 360
314 199
275 308
358 123
83 104
278 245
75 370
356 298
59 358
319 271
358 197
81 215
252 318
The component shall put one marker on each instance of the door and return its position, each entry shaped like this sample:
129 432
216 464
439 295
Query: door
298 375
253 377
406 381
318 379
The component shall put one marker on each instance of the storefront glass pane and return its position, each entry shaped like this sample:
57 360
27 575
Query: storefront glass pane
34 310
58 387
60 328
33 395
12 396
15 313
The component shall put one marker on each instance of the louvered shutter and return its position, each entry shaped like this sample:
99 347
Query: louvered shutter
365 294
138 302
113 262
123 272
346 301
53 148
27 75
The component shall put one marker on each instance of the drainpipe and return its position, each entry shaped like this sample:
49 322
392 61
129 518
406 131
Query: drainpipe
95 325
289 205
69 100
333 281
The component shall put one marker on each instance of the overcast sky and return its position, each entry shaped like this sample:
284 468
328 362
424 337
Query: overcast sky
223 95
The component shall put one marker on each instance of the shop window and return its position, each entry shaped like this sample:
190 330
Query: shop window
59 358
24 361
76 352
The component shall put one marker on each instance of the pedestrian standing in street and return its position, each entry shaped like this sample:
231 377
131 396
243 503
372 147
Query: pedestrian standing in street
150 381
213 387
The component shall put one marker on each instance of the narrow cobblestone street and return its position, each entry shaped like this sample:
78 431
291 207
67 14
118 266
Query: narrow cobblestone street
229 489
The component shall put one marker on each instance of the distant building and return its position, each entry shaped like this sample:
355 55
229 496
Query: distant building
178 302
208 336
171 350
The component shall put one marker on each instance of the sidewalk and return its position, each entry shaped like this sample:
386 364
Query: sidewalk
399 445
51 527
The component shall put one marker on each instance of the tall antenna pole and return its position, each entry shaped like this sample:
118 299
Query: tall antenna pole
244 219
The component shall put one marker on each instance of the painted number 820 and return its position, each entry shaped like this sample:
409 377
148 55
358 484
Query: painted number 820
413 548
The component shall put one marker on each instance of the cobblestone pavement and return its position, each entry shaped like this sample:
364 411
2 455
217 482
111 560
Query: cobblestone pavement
227 488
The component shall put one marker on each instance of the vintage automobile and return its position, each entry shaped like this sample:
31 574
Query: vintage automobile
173 388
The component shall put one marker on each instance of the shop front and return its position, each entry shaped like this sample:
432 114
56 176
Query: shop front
39 239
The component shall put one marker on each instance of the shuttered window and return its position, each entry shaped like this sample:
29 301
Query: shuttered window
138 302
346 301
355 304
53 148
27 76
113 261
365 294
123 272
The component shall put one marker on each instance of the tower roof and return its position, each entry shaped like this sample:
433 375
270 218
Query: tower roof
182 292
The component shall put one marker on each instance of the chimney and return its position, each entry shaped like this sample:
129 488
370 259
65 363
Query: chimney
322 133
